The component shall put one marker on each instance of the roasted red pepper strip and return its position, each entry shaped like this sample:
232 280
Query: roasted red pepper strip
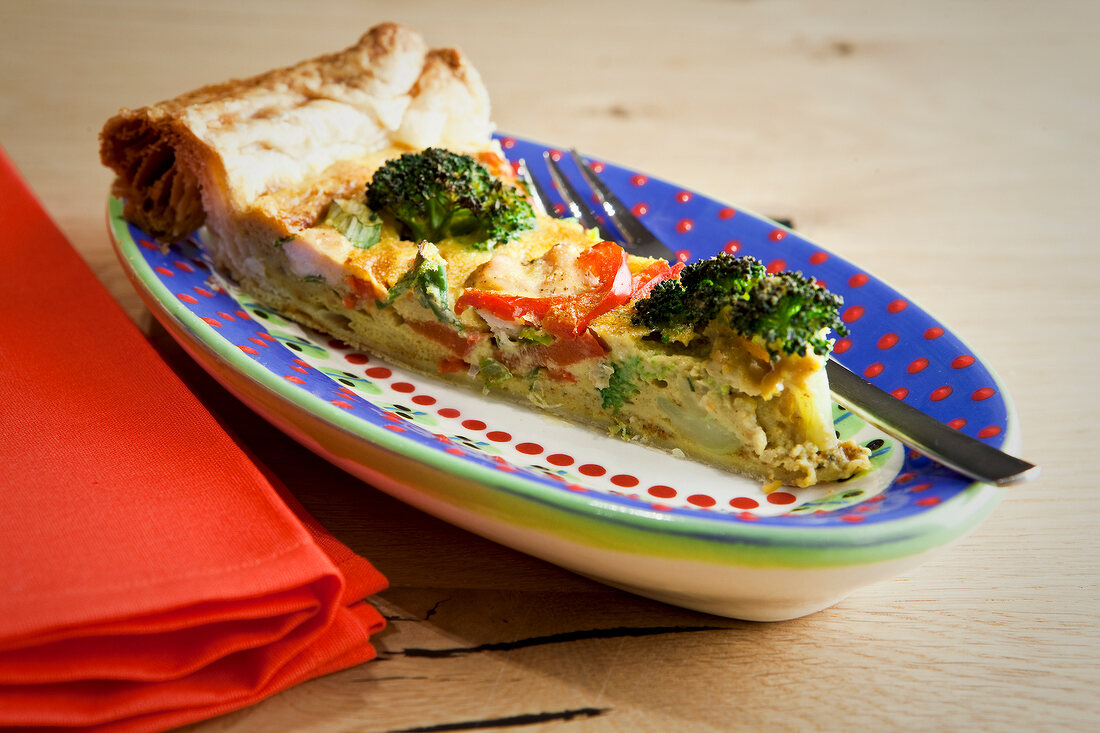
458 343
644 282
566 316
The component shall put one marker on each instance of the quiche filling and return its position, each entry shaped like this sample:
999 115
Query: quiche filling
454 274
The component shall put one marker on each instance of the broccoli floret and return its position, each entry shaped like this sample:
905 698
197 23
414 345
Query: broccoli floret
786 312
699 295
790 313
435 194
622 385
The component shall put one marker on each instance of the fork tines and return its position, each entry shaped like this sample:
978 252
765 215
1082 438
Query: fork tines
635 237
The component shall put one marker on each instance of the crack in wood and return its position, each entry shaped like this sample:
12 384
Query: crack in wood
511 720
433 609
562 638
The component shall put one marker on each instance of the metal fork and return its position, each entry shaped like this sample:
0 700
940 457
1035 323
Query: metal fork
966 455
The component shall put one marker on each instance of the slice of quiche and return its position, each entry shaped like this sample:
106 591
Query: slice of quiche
361 194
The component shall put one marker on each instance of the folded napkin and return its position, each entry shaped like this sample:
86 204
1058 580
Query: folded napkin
152 574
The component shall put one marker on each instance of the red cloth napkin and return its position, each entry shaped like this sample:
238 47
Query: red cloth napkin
151 575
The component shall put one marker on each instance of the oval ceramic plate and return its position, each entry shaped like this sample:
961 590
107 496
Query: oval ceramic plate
628 515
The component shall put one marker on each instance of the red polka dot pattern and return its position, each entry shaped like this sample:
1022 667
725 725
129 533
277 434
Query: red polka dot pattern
852 313
592 469
888 341
941 393
701 500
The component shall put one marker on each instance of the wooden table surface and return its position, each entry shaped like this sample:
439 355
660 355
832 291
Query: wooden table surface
952 148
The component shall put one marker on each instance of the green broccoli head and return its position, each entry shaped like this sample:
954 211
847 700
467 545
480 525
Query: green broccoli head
436 194
787 312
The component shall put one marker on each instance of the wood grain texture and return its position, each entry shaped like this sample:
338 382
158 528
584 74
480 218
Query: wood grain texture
950 148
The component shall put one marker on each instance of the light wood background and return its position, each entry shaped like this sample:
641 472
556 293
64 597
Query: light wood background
950 147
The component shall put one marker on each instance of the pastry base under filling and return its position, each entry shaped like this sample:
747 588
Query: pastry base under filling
714 400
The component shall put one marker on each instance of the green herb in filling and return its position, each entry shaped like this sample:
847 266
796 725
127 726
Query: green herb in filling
361 226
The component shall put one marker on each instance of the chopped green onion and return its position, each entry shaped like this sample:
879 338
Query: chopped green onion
493 372
355 221
535 335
